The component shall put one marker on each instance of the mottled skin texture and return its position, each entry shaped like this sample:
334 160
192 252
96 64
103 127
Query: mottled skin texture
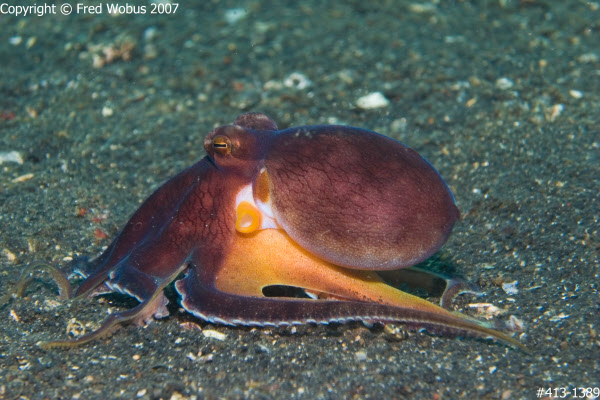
342 198
393 204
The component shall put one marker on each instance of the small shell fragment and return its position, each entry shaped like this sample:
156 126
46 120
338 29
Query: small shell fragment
559 317
553 112
23 178
394 332
190 326
514 324
576 94
234 15
11 156
510 288
488 309
10 256
107 111
360 356
209 333
372 100
297 80
504 83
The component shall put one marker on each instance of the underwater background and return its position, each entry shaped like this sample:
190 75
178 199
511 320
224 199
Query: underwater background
501 96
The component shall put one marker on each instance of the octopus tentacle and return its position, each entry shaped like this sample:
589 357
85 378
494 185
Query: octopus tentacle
144 225
139 314
59 278
219 307
434 283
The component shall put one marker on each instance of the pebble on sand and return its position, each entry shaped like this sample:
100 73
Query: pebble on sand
372 100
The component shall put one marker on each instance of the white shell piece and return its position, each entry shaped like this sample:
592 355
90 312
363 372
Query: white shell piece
510 287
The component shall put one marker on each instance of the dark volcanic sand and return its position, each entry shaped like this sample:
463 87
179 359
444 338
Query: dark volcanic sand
502 97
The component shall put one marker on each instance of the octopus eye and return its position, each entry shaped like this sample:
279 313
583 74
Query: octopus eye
221 145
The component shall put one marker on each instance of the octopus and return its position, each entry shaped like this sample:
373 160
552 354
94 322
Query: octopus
315 214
